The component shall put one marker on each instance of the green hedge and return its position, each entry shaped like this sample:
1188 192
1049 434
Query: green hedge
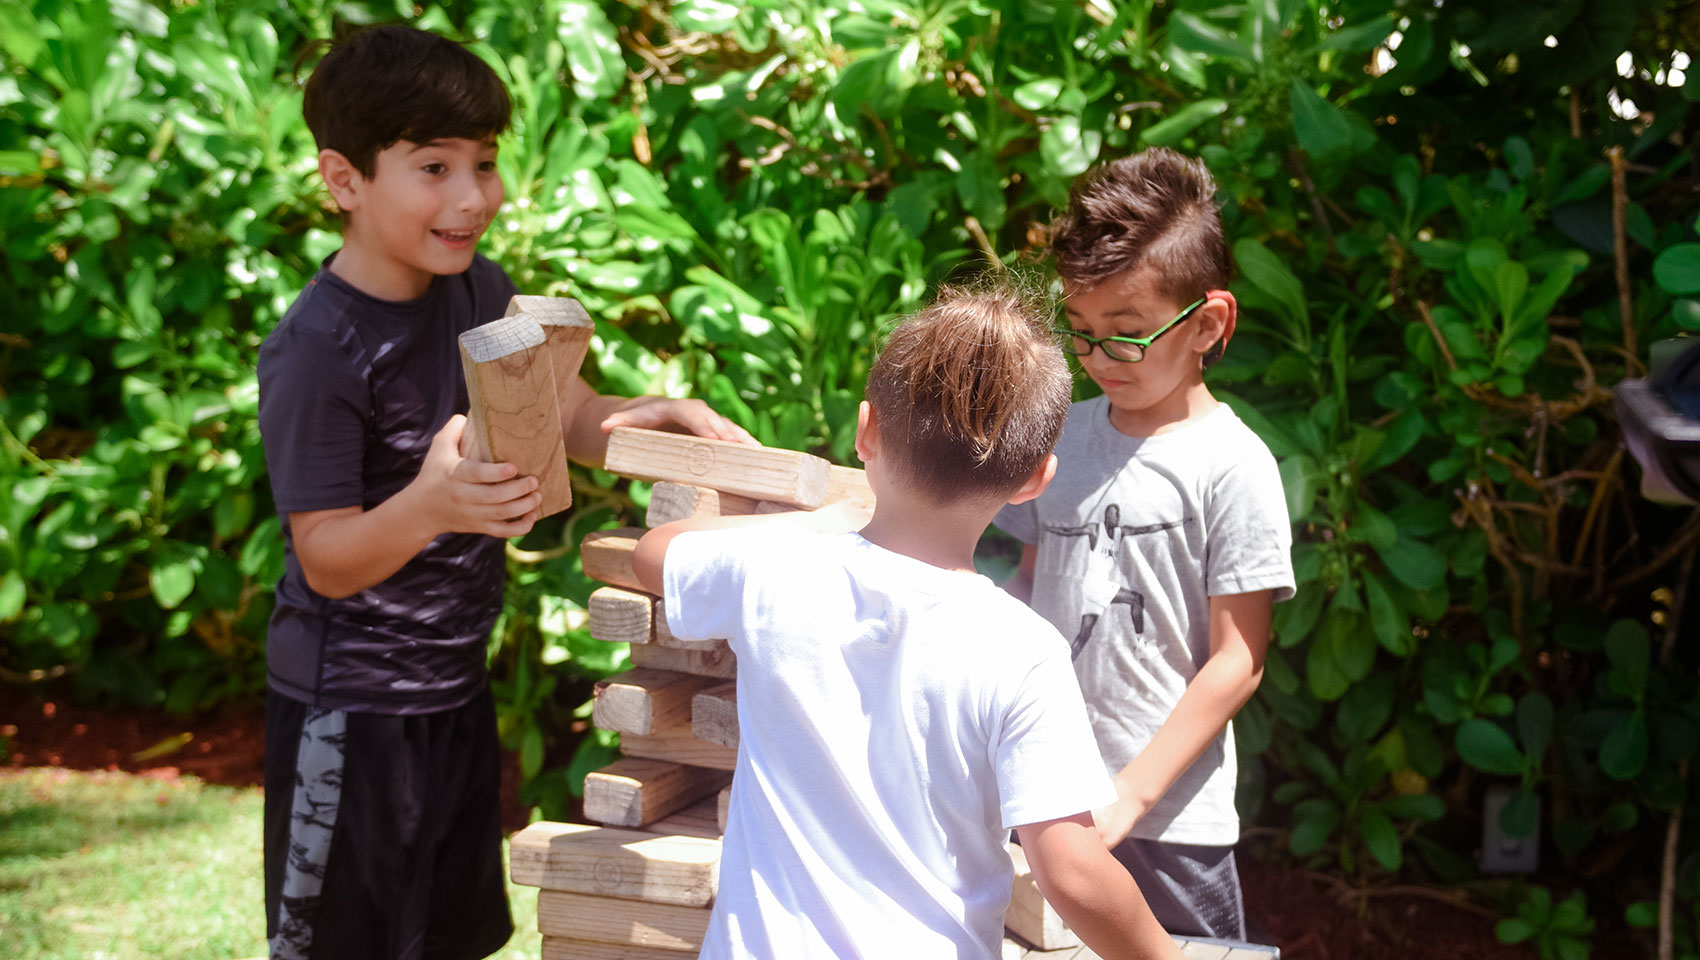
1421 202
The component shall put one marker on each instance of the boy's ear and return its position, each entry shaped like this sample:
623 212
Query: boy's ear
341 178
867 433
1037 483
1218 317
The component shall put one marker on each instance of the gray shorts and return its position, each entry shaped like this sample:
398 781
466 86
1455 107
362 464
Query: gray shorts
1193 890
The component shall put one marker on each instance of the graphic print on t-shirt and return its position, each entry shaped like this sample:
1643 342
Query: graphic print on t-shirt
1114 531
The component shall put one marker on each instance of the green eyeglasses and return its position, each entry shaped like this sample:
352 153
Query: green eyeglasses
1125 349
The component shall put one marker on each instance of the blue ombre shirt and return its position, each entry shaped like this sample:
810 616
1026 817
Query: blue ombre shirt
352 390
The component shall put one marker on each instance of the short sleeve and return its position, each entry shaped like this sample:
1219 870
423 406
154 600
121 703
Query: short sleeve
1047 761
1250 538
1019 520
314 411
703 577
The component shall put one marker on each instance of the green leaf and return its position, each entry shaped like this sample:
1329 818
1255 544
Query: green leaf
1677 268
1269 274
171 576
1520 814
1322 128
1630 653
1038 94
1484 745
12 594
1295 481
1171 129
1068 147
1366 708
1514 930
1381 838
1414 563
1623 754
1391 624
1313 823
1535 723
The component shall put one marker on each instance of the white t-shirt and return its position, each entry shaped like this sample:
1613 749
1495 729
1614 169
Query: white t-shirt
1134 537
895 721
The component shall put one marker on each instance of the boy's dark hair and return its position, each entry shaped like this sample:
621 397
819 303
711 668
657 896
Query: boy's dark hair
970 393
1156 210
384 84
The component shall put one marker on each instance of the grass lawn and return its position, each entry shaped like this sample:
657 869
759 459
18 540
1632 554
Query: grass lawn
105 866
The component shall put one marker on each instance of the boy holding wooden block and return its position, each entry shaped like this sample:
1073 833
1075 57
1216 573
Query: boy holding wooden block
898 714
382 831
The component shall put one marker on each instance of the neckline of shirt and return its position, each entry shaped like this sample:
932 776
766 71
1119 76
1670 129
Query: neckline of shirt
1101 425
414 305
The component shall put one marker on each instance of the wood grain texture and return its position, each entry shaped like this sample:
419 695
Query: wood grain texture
669 501
514 415
679 746
562 948
618 615
722 805
607 556
634 792
566 330
644 700
845 483
714 714
610 862
762 473
717 661
657 926
700 819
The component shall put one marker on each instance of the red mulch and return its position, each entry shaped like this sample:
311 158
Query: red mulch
1308 917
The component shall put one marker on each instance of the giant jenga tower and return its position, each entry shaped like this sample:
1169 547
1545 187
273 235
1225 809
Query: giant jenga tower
640 880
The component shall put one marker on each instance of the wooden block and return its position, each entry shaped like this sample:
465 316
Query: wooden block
723 805
669 501
664 634
609 862
678 746
566 330
1029 916
607 556
714 714
700 819
618 615
634 792
761 473
561 948
717 661
845 483
661 926
1201 949
513 415
644 700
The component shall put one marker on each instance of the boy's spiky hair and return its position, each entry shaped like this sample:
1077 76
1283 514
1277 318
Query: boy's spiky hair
970 393
1154 210
381 85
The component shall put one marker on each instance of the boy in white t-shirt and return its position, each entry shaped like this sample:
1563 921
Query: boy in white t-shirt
898 713
1164 542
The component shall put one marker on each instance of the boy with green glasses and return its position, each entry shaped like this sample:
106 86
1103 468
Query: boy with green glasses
1164 541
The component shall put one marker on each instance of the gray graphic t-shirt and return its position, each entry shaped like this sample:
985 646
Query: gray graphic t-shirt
1134 536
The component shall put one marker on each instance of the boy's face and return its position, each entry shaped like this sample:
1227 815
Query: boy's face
1129 304
421 212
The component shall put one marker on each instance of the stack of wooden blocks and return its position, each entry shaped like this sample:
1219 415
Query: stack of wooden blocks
639 882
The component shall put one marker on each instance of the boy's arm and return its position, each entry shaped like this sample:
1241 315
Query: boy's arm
587 416
1239 638
1091 891
346 550
651 551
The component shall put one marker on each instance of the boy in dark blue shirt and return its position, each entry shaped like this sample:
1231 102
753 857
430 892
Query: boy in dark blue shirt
382 830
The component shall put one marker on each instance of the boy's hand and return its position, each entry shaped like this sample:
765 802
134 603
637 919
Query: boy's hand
694 416
1116 821
458 495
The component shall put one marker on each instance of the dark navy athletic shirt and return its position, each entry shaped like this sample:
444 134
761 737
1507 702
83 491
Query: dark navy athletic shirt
352 389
